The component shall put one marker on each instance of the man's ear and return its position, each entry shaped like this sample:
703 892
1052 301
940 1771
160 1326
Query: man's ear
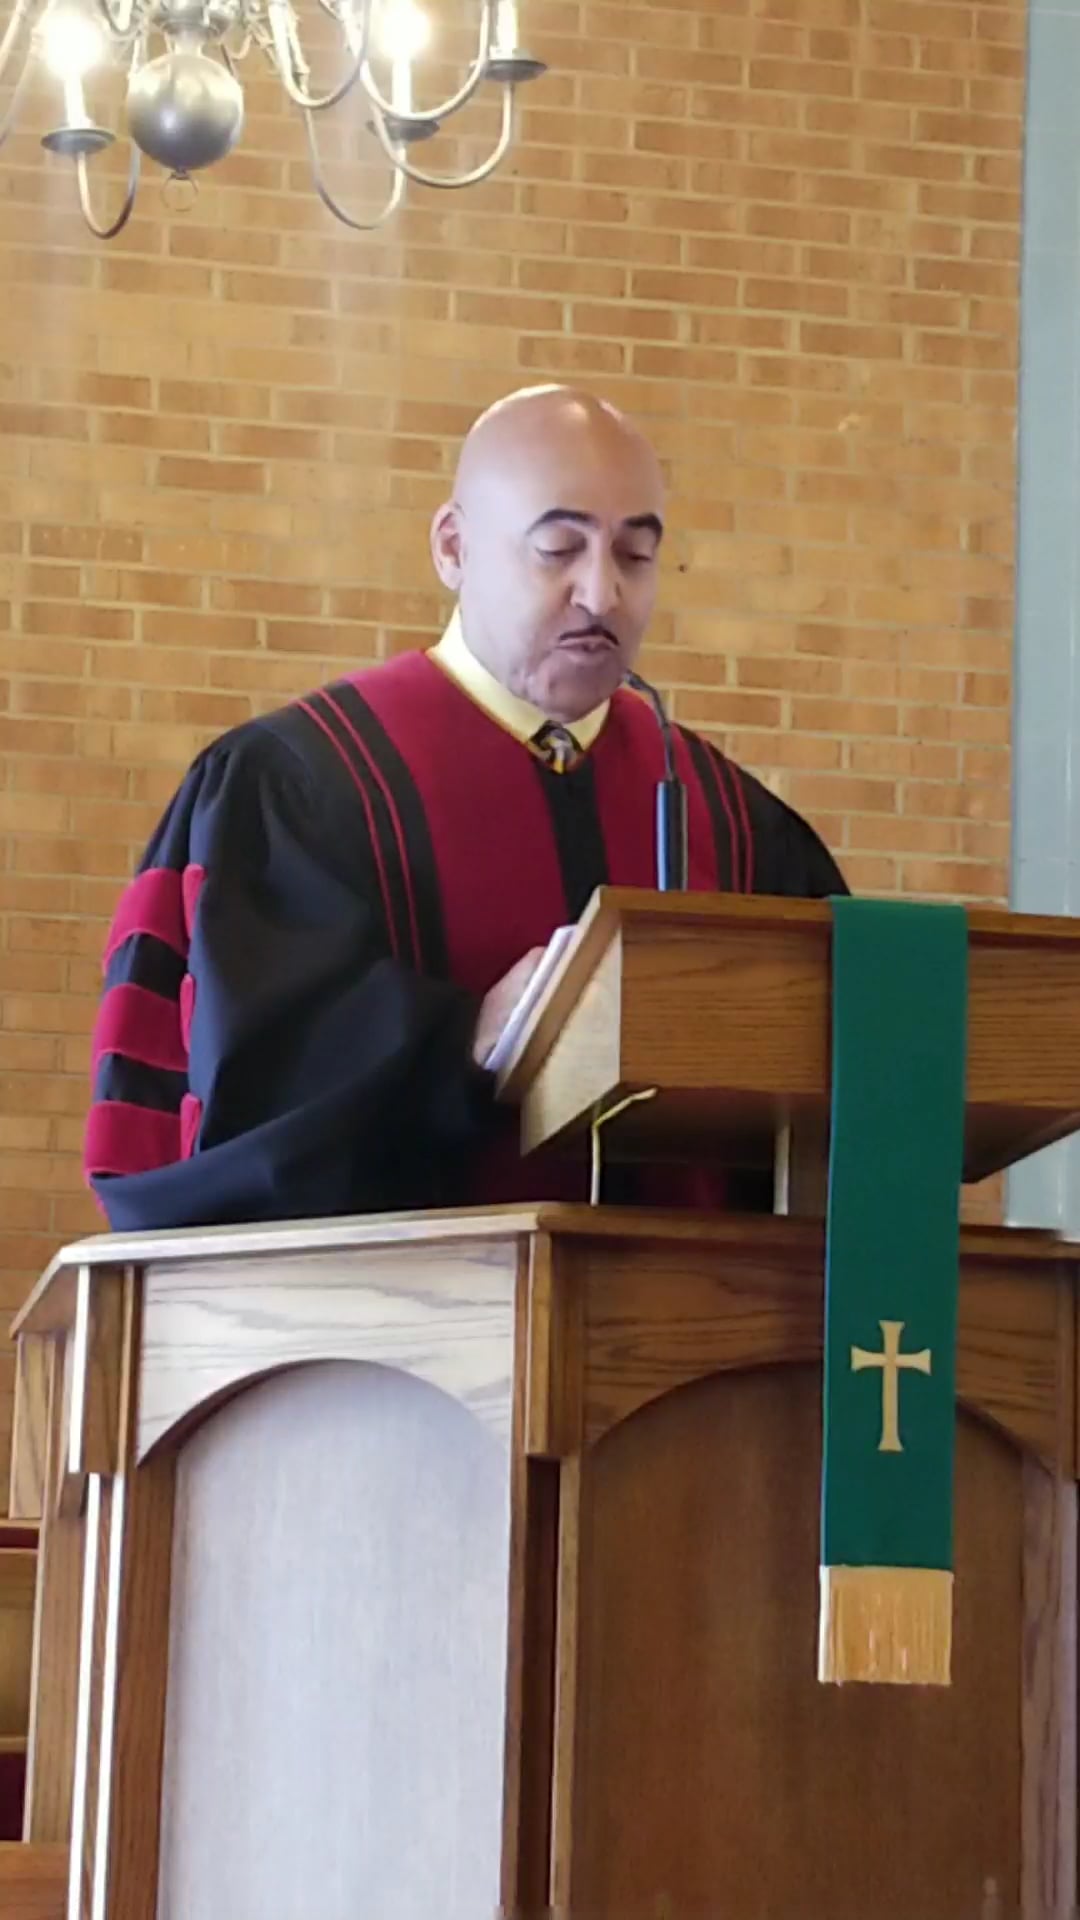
448 545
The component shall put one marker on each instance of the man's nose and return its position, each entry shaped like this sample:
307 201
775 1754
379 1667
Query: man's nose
597 584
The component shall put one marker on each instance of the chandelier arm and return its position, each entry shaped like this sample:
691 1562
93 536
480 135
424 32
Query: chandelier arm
120 28
280 15
100 231
20 13
449 181
432 115
7 122
393 202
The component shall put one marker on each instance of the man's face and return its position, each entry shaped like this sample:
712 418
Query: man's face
552 547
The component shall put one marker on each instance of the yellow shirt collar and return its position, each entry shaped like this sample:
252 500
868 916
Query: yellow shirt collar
519 717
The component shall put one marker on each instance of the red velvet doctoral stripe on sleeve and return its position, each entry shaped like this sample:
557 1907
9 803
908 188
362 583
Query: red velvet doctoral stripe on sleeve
154 904
124 1138
192 881
191 1113
139 1048
141 1025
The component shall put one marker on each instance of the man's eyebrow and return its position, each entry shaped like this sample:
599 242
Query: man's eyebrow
637 523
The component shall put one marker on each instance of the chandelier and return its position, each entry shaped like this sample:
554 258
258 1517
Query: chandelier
184 105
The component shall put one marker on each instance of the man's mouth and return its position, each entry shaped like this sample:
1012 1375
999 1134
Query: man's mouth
590 640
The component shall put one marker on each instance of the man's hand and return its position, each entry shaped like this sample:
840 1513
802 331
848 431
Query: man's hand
499 1004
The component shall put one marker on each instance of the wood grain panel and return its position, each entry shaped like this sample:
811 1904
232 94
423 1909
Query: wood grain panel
33 1882
1016 1358
102 1521
117 1784
50 1307
582 1063
443 1314
30 1431
554 1352
567 1664
534 1494
724 1005
103 1361
128 1814
94 1440
1049 1674
338 1656
661 1315
57 1620
17 1587
711 1771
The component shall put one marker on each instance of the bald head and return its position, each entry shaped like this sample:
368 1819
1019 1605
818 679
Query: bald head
549 424
550 543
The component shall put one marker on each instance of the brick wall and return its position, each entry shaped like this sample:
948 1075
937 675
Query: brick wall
784 232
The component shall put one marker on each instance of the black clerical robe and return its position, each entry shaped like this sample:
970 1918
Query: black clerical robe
293 977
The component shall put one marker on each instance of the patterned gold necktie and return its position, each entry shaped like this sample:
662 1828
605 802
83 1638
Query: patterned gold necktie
556 747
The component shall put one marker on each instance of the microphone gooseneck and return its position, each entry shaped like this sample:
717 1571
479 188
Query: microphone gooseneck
671 820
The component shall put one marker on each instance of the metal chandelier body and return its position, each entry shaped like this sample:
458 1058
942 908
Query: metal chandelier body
184 104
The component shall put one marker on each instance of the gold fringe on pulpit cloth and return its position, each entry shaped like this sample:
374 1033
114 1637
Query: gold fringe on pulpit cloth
886 1624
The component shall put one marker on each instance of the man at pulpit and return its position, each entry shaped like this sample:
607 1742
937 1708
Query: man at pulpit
345 899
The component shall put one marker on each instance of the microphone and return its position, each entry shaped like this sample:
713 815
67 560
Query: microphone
671 840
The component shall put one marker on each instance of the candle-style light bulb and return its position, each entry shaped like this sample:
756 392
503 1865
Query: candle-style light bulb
403 33
75 114
401 84
72 43
506 26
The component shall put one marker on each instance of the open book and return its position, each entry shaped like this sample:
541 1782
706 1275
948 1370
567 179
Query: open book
534 992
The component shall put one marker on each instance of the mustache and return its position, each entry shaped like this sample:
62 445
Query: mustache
594 631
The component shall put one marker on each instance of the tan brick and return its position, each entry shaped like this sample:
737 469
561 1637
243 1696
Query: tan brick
204 630
870 873
786 675
844 716
955 880
211 476
175 279
60 423
904 757
818 79
801 296
863 119
82 622
843 792
596 279
728 708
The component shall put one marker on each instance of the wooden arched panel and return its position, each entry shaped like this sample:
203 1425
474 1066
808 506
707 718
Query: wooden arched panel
444 1314
708 1767
337 1661
655 1316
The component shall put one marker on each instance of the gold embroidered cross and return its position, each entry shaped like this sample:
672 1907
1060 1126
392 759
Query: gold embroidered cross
892 1363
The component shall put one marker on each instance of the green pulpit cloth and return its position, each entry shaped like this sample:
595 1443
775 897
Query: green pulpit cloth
892 1278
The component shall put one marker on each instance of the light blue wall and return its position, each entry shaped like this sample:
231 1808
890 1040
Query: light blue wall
1045 1191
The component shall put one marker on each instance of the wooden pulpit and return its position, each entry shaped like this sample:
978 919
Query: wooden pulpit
442 1566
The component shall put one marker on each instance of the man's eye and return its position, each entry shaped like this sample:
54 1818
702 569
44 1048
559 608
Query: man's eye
638 559
557 553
